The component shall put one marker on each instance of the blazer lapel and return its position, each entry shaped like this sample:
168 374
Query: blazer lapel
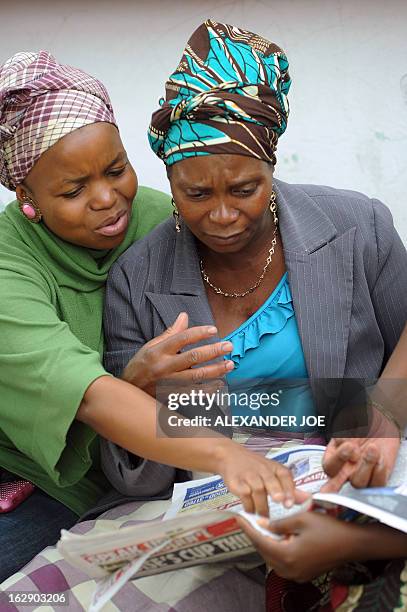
187 292
169 307
320 270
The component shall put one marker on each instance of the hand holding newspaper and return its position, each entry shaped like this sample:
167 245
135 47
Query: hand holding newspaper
200 524
199 527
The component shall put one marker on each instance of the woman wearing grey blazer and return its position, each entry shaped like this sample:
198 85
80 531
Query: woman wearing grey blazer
241 237
347 270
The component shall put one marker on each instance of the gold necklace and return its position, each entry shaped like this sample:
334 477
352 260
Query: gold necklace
273 209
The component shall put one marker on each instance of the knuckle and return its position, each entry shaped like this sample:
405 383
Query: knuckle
184 337
357 482
215 350
248 476
237 484
198 375
267 473
328 469
194 356
148 352
258 487
242 489
244 496
154 370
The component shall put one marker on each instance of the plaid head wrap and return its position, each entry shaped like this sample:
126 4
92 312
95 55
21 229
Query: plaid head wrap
40 102
228 95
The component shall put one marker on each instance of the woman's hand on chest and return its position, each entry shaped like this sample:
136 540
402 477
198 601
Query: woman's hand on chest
167 357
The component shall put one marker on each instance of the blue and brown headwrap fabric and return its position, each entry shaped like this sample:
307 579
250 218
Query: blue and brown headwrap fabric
228 95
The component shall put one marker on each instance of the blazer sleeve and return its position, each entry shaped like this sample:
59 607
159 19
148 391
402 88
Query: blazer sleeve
129 474
389 294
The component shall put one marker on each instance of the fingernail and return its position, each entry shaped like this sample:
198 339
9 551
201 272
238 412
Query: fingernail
212 330
289 502
371 455
278 497
345 454
227 346
230 365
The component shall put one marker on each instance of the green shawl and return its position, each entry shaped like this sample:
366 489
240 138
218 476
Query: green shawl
51 343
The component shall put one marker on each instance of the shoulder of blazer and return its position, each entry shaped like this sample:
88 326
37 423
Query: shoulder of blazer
344 207
163 233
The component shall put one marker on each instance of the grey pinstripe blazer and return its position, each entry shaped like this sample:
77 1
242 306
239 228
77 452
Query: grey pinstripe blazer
347 269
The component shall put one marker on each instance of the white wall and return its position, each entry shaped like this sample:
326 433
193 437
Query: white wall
348 123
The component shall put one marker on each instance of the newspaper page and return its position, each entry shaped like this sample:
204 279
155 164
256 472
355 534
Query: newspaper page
200 527
386 504
144 550
304 462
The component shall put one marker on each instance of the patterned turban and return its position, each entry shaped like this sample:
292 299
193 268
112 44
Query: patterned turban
40 102
228 95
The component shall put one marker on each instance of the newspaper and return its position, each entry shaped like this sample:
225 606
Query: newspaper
385 504
304 462
199 527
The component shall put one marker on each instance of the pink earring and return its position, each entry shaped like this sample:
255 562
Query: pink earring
30 210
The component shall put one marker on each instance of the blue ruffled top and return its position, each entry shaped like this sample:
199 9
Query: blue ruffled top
268 358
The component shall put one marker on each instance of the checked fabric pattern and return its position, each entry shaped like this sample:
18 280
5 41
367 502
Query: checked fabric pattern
229 587
40 102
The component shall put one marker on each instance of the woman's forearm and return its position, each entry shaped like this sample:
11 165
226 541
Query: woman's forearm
391 389
376 541
127 416
397 365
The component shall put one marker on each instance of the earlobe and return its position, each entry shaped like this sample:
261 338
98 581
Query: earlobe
20 193
23 192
